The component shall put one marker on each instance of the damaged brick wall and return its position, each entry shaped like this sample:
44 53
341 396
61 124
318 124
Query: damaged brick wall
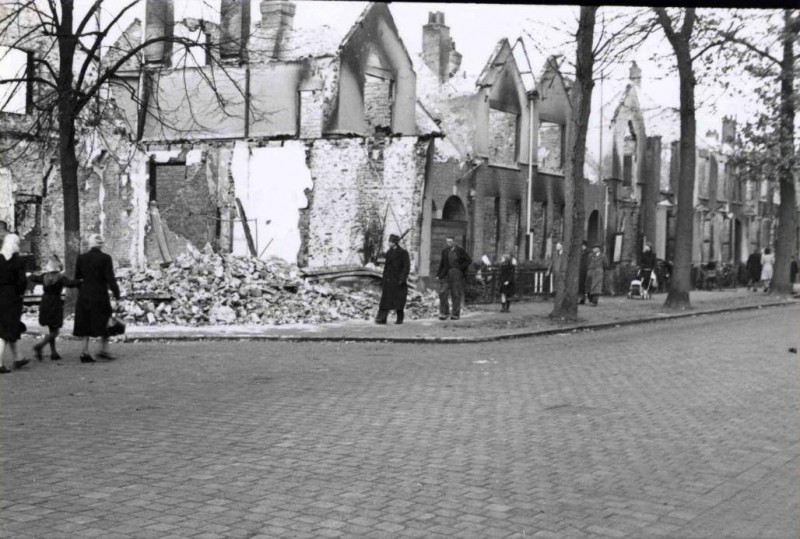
356 180
503 137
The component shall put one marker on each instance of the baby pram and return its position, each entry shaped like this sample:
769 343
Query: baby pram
640 286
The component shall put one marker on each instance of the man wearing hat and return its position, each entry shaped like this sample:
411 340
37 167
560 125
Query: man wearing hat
453 268
394 285
594 274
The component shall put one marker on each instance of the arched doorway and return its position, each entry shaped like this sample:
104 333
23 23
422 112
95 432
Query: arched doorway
594 229
453 223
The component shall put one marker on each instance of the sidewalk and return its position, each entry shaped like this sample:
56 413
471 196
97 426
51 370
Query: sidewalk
481 323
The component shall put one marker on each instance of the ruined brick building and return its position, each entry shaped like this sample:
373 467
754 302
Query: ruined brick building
314 143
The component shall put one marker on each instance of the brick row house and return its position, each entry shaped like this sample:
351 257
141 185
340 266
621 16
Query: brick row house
314 143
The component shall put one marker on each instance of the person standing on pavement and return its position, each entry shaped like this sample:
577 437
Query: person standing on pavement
582 270
753 270
12 287
506 276
793 270
395 282
556 266
51 308
594 275
767 261
95 270
648 264
452 269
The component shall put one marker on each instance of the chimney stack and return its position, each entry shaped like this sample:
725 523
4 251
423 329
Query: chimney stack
277 19
636 75
159 22
438 50
235 28
728 130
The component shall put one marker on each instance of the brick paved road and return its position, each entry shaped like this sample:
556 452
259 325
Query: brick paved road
681 429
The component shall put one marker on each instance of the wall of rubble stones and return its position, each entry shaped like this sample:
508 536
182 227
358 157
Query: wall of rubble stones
362 185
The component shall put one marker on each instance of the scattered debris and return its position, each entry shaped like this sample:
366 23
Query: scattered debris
205 288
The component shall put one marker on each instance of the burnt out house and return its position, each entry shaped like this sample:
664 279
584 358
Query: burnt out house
309 145
496 181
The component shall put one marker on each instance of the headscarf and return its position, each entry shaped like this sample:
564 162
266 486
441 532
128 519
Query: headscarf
53 264
10 246
95 240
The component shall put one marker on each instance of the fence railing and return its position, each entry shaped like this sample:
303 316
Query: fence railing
483 285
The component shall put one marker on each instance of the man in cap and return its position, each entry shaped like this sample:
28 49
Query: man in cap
453 268
394 284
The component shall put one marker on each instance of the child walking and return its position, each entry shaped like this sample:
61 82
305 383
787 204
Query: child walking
506 278
51 308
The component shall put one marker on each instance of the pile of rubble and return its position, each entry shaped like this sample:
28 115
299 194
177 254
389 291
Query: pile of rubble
202 288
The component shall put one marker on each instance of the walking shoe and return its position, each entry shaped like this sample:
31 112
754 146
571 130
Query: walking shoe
4 370
38 353
443 317
54 356
398 322
18 364
86 358
455 318
380 322
106 356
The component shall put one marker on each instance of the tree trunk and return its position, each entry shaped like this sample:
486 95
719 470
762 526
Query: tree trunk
67 114
787 218
565 306
678 295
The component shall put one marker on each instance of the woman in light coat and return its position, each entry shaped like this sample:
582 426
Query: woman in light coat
767 261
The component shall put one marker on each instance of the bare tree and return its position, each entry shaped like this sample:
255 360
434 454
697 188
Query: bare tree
70 77
768 153
618 35
678 295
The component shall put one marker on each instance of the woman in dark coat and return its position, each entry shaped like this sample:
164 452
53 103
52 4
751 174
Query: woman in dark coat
507 278
95 270
394 285
12 287
51 308
594 275
754 269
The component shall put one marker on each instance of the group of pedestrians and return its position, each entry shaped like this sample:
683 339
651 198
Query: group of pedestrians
759 269
452 271
94 277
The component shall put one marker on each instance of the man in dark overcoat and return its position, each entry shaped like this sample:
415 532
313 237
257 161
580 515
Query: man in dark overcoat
395 281
582 271
93 308
452 269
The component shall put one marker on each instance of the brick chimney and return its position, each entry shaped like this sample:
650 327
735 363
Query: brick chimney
277 18
728 130
635 75
159 22
235 28
438 50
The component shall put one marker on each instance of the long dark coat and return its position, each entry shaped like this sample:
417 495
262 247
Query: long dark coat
395 274
95 270
51 308
506 274
754 266
583 269
12 287
594 274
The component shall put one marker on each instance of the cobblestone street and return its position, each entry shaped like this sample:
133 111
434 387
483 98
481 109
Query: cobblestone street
680 429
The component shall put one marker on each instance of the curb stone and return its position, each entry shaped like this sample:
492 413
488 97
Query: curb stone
457 340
